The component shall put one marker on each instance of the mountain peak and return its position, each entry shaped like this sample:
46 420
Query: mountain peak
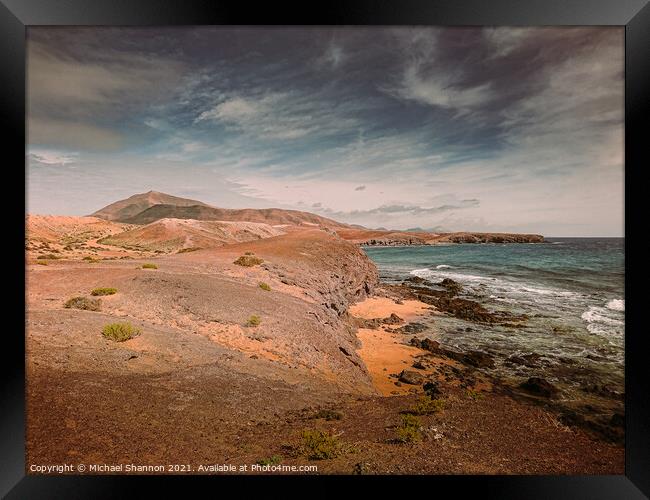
139 202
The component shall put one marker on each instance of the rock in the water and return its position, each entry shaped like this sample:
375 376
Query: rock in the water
540 387
530 360
451 286
411 377
477 358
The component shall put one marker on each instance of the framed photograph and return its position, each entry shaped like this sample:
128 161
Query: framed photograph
379 239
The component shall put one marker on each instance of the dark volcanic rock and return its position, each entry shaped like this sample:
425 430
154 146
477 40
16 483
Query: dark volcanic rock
617 420
476 358
604 391
412 328
417 280
451 286
411 377
420 365
432 389
539 387
530 360
371 324
426 344
393 319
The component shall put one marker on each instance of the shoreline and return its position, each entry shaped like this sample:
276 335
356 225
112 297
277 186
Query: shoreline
387 353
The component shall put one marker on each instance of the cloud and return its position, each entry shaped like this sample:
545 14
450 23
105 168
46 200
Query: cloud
46 157
408 209
75 101
504 40
333 56
360 188
440 90
277 115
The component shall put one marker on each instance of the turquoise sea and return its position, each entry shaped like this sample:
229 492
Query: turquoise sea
572 289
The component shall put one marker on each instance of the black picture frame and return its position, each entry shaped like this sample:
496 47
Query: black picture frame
16 15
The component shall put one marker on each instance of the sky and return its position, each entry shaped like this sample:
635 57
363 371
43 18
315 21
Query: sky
447 129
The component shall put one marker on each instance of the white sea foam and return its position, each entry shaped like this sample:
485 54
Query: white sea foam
616 305
596 314
499 285
443 266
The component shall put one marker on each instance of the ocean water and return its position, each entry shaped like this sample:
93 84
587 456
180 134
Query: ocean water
572 289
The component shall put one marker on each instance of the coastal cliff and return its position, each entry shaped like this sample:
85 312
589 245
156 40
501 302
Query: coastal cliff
403 238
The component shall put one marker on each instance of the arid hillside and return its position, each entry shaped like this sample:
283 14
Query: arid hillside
133 205
172 235
149 207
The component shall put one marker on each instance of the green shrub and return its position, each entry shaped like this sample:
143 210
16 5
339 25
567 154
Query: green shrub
426 405
319 445
474 394
83 303
248 261
409 430
103 291
265 286
254 320
274 460
119 332
148 265
328 415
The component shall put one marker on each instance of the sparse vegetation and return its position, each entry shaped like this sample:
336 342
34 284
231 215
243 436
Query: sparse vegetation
248 261
42 262
328 415
319 445
104 291
120 332
426 405
249 253
474 394
254 320
265 286
149 265
84 303
409 430
189 249
50 256
91 260
274 460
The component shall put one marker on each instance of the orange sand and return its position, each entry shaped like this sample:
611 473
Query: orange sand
382 351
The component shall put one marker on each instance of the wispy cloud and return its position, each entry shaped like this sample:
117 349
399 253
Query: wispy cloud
46 157
277 115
